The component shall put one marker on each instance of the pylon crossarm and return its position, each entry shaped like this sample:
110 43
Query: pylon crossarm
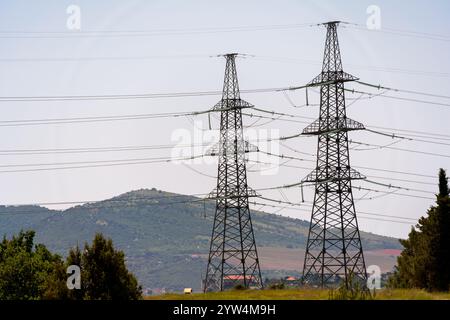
331 77
332 175
232 195
230 104
229 149
334 125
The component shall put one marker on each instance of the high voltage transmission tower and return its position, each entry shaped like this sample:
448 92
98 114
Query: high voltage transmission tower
233 258
333 253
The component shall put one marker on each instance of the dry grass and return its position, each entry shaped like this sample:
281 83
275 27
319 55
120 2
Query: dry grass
300 294
411 294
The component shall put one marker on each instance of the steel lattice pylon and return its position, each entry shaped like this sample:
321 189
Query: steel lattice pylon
334 252
233 258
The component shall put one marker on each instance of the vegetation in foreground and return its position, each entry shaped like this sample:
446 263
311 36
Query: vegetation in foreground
301 294
425 260
30 271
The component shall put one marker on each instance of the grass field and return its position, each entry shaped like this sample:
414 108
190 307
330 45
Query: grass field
300 294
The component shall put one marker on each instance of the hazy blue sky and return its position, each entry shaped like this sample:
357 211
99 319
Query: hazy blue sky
180 62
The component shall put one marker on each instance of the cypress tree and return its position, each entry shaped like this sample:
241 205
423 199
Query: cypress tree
425 260
440 241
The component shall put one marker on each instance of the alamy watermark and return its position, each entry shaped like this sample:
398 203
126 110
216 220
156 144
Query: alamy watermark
374 277
74 280
202 146
73 21
373 21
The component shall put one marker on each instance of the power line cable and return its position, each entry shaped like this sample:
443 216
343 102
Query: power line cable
126 96
359 212
293 207
395 136
108 164
396 194
379 87
144 33
399 149
97 149
422 35
292 60
398 187
399 98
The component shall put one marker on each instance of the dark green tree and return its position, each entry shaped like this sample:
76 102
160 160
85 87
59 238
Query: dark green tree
439 239
425 260
104 275
75 258
30 272
27 271
410 271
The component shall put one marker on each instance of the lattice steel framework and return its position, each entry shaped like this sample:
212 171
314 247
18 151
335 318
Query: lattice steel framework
334 252
233 257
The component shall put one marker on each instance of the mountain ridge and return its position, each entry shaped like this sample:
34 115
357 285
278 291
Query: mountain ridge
165 236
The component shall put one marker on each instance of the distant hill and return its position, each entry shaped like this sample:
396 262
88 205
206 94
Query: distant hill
165 236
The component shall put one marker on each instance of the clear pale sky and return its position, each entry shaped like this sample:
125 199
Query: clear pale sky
181 62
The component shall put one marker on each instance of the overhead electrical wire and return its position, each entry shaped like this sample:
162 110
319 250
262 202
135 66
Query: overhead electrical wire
367 168
395 136
272 166
96 149
282 156
375 169
396 194
45 151
69 120
390 186
369 176
280 119
390 134
399 149
376 147
359 212
384 95
102 163
5 34
407 33
406 131
402 180
26 122
296 60
369 181
293 207
101 58
296 151
379 87
99 161
397 172
422 136
127 96
399 98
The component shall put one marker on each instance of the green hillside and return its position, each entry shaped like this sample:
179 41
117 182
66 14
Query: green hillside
165 236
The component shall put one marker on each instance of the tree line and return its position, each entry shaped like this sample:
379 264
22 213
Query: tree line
30 271
425 260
